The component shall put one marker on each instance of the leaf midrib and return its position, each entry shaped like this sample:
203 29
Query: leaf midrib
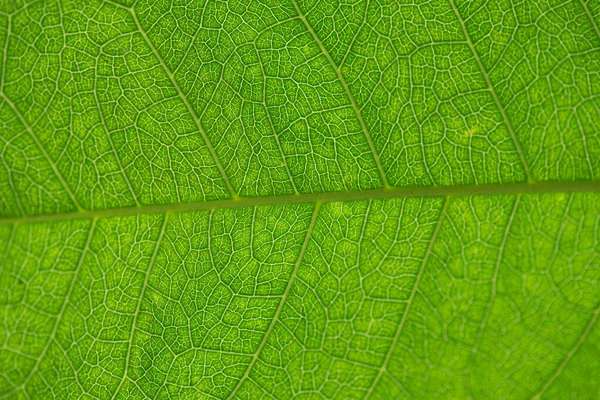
322 197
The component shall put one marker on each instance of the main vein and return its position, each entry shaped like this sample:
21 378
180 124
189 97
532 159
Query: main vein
324 197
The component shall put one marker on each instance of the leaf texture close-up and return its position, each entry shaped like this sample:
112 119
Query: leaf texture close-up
265 199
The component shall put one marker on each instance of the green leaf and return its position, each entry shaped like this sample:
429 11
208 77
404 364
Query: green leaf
299 199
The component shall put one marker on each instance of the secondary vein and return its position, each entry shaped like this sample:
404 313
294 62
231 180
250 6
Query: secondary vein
61 312
187 104
139 303
492 91
286 294
348 93
413 294
42 150
569 355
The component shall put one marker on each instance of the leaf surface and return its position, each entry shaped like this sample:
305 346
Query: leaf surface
261 199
